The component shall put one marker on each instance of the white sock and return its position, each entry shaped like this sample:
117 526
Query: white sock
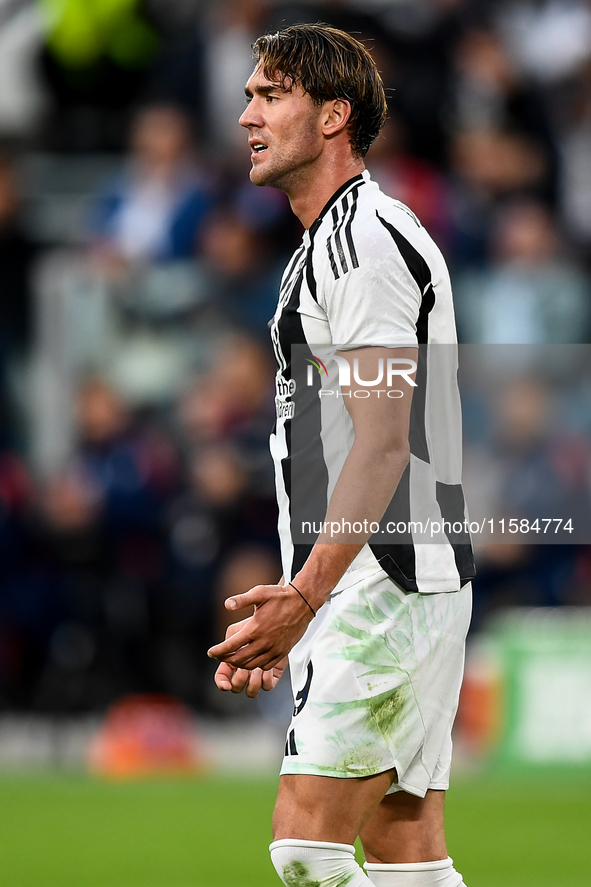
316 864
440 873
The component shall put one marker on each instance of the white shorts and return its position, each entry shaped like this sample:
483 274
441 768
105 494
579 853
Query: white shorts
376 681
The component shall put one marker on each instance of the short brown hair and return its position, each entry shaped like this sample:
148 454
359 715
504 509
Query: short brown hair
328 64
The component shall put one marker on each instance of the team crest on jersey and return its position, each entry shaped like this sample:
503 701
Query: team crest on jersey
284 390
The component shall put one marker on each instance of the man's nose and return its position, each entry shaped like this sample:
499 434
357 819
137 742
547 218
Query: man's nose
249 117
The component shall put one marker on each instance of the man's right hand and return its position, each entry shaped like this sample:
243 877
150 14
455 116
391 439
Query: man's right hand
238 679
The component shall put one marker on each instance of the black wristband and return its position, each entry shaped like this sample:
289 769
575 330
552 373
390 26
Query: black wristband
302 597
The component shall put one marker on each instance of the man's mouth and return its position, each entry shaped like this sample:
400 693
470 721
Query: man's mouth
258 148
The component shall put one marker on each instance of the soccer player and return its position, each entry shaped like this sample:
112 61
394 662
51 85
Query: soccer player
374 622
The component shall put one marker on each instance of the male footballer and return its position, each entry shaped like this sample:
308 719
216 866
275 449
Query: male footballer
374 622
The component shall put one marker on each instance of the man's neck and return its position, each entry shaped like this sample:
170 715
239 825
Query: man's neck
308 199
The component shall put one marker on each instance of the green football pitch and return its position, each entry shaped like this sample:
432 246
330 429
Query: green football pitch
71 831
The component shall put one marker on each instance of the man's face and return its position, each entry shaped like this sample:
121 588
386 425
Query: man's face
285 134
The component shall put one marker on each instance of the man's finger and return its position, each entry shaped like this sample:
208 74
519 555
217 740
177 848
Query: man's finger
247 653
251 658
230 645
240 679
223 677
236 626
254 683
269 679
256 595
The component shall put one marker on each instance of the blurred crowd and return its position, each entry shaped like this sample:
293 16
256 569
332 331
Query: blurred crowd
139 268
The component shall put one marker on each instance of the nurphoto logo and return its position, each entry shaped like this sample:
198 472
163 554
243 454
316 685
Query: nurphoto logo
387 370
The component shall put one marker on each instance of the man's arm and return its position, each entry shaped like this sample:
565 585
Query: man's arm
366 484
370 475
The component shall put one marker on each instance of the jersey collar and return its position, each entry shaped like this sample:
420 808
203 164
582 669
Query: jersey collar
356 180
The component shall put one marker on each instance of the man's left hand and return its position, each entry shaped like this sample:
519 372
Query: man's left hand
280 619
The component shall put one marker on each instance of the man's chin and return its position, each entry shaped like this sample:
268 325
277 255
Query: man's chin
258 176
261 176
255 176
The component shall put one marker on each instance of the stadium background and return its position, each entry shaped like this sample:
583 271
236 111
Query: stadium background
138 270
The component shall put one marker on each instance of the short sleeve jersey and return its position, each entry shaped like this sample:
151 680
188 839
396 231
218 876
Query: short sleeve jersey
368 274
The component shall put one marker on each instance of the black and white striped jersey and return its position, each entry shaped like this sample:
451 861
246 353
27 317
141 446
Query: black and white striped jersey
367 273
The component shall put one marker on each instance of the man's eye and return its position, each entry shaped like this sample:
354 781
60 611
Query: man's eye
271 98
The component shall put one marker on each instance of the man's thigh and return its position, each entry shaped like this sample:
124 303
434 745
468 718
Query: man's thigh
398 828
325 808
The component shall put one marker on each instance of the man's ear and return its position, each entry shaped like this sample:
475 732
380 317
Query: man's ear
336 116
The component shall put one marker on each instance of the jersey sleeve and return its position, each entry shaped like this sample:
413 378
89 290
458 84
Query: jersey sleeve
376 303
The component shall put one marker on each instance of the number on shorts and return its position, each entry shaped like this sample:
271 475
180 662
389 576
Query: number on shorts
302 696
